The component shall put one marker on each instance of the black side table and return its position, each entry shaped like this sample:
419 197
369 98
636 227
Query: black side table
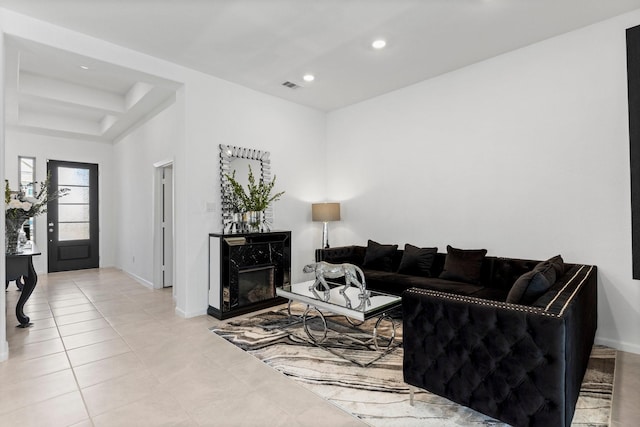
20 268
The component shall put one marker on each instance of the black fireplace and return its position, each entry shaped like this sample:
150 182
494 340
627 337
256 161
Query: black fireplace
245 269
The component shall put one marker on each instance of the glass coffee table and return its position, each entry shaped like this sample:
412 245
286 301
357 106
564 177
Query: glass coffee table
339 302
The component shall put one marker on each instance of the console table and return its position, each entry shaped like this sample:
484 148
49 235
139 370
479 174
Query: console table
20 267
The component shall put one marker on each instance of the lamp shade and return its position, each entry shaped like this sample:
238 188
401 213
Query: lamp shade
325 212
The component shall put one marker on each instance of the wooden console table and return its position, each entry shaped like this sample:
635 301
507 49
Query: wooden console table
20 268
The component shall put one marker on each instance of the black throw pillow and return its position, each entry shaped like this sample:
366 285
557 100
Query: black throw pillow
379 257
529 287
463 265
417 261
558 265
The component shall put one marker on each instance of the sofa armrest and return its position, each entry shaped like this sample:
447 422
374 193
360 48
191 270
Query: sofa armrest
504 360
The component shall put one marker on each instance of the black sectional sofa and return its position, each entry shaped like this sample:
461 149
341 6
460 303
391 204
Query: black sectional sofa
521 361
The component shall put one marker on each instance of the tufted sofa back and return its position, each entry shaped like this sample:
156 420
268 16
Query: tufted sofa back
497 272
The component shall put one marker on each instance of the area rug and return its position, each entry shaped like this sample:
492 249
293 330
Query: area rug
376 393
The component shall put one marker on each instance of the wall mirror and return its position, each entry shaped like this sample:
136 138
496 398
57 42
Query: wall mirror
239 159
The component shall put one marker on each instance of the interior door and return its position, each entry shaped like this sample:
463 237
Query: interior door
167 226
73 228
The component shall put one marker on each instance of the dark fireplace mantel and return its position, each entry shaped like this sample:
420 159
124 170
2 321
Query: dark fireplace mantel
245 269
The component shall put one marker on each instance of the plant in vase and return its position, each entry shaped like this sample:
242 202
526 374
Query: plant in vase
252 202
20 207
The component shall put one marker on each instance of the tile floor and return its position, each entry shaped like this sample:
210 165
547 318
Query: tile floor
107 351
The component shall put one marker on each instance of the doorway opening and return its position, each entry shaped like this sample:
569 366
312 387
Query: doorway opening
163 276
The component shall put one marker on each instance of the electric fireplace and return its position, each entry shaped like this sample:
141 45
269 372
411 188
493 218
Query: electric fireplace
245 269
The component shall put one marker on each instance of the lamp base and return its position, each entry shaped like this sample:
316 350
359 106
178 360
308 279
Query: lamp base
325 235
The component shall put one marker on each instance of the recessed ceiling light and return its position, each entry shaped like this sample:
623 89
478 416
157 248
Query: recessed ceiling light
308 77
84 67
379 44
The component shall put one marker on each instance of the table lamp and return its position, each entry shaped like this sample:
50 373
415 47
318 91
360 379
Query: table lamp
325 212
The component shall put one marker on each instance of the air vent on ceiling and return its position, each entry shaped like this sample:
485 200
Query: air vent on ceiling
291 85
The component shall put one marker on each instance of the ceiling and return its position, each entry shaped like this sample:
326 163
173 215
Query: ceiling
262 43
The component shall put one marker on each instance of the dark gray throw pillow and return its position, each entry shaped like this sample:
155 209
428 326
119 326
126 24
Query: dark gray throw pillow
417 261
463 265
558 265
529 287
379 257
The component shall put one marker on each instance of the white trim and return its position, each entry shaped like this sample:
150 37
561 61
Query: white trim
163 163
188 315
4 351
157 223
618 345
139 279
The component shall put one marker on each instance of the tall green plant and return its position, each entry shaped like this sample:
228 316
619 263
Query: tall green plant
257 197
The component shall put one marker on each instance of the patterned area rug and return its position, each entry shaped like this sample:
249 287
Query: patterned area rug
368 383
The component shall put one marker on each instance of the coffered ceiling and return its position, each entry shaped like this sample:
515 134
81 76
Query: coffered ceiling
261 44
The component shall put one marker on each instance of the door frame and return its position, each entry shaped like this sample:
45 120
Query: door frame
157 225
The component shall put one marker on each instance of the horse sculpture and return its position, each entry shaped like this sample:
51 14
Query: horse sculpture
324 270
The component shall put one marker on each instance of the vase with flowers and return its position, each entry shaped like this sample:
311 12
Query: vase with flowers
250 204
20 207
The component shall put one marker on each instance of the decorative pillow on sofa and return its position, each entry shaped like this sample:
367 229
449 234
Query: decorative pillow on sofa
379 257
463 265
531 285
558 265
417 261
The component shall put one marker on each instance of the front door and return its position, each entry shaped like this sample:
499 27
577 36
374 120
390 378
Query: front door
73 231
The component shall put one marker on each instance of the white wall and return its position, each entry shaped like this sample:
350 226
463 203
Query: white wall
4 346
134 159
526 155
45 148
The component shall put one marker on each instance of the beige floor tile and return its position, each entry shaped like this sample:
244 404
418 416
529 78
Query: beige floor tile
152 411
78 317
252 410
88 338
113 394
156 338
99 351
68 302
129 319
81 327
626 393
33 390
107 369
15 370
35 350
65 410
80 308
28 336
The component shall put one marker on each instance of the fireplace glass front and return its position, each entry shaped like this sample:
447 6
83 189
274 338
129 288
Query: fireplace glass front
256 284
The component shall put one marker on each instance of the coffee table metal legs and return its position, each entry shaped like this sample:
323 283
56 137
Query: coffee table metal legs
306 317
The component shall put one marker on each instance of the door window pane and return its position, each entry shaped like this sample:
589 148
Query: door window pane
73 176
73 231
73 213
75 195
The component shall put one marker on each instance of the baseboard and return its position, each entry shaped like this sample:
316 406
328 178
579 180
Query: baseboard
4 351
190 314
142 281
618 345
